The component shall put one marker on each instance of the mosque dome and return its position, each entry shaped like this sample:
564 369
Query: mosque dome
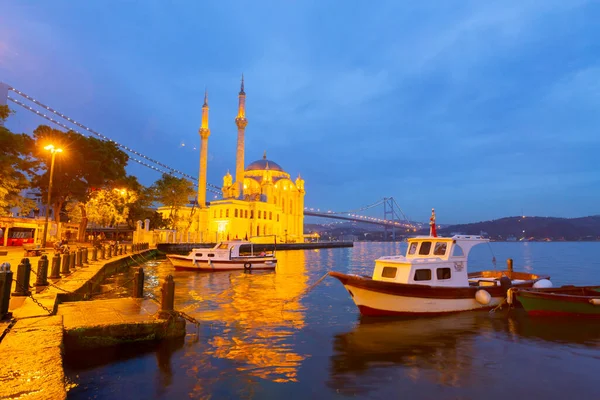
261 165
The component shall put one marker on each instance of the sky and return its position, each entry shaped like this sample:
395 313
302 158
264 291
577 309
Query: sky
480 110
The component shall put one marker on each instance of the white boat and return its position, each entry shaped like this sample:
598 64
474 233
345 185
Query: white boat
225 256
433 278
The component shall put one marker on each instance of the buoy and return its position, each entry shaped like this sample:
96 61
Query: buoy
483 297
542 284
595 302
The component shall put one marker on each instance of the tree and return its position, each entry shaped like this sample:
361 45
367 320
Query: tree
174 193
86 163
17 164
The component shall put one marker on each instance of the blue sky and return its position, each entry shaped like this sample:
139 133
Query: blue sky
479 109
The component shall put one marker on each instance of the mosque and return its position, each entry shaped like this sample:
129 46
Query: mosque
260 201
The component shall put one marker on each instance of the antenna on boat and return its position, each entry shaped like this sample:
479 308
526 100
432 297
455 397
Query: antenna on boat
432 230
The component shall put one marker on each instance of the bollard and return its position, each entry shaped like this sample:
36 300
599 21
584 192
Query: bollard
103 253
79 257
23 274
72 260
509 267
84 254
5 284
94 254
138 283
109 252
168 298
66 261
42 271
55 270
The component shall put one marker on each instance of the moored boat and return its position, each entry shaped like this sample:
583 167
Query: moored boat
432 278
225 256
565 301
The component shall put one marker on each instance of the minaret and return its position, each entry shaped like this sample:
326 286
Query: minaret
204 134
241 123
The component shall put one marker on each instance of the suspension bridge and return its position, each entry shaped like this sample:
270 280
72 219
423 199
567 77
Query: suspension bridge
393 217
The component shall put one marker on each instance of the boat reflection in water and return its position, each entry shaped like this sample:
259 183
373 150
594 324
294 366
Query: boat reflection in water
248 320
436 349
461 353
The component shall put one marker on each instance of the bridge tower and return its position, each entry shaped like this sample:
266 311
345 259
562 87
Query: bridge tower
241 123
388 215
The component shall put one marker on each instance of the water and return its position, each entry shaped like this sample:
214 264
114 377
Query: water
260 338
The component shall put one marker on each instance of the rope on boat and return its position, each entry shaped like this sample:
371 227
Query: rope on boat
493 255
309 289
304 293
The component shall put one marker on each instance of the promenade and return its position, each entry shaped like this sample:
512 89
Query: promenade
33 341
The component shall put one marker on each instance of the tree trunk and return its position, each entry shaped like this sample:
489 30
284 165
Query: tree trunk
82 224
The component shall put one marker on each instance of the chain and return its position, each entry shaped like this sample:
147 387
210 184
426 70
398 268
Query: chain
52 284
8 328
26 290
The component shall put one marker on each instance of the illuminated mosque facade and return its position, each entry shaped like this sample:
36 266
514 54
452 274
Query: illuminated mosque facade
261 200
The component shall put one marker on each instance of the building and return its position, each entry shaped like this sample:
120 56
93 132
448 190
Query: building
260 201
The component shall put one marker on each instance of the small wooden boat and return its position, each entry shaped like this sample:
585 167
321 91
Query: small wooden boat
225 256
432 278
565 301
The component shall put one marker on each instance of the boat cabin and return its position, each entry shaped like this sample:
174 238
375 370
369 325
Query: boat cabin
433 261
228 250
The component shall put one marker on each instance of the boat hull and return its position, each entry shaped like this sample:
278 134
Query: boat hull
183 263
562 302
377 298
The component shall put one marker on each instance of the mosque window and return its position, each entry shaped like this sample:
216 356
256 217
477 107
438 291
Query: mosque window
277 217
251 214
227 213
291 208
245 213
215 214
258 214
220 213
275 199
271 215
236 213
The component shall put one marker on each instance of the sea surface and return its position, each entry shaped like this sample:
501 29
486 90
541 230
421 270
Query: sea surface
273 335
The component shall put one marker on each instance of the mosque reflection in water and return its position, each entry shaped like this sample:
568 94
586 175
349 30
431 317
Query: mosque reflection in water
250 318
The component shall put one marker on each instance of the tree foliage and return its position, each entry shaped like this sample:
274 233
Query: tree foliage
86 163
174 193
18 164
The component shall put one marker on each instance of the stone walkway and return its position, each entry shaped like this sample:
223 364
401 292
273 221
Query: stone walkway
31 352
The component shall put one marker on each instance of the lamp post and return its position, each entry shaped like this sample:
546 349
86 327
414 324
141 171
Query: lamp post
53 150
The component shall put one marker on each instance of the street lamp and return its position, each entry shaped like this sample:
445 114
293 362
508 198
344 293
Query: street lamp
53 150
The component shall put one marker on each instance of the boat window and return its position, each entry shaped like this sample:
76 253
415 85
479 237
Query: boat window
443 273
440 249
389 272
457 251
413 248
223 246
422 275
198 254
425 248
210 255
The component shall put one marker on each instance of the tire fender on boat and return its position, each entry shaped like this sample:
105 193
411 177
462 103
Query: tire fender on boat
247 266
595 302
483 297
